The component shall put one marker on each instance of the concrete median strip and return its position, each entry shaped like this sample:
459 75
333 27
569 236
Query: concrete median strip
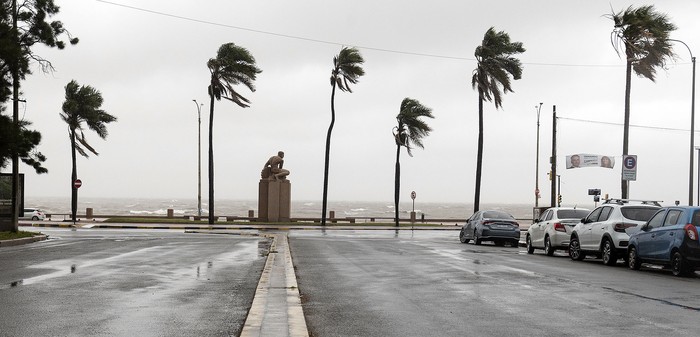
276 309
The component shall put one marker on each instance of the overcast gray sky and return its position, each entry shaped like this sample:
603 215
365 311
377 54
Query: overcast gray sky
149 67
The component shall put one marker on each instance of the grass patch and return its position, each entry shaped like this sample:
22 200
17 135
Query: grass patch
17 235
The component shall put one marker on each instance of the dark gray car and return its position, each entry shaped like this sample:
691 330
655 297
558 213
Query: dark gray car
491 225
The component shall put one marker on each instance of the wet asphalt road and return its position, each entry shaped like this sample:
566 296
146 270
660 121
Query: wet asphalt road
382 283
129 283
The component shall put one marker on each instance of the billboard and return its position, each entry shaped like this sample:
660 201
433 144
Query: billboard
6 194
589 160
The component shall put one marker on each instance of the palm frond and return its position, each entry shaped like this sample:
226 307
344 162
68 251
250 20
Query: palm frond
411 129
347 68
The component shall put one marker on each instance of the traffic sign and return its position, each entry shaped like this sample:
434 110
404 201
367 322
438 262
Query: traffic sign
413 195
629 167
77 183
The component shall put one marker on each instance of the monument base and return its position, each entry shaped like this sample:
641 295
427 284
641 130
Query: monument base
274 200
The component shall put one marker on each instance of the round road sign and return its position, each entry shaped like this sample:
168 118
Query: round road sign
77 183
413 195
630 162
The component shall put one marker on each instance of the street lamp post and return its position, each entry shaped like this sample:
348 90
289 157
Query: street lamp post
698 199
692 129
537 159
199 158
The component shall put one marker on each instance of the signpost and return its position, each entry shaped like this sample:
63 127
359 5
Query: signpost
629 167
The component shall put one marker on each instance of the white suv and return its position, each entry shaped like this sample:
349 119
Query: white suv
551 231
605 231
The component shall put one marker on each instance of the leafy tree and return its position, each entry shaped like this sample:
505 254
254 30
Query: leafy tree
409 132
17 138
21 27
80 109
495 65
642 34
233 65
346 70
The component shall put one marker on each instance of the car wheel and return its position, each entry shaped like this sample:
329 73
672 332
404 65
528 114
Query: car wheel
462 237
575 252
633 259
608 254
477 240
678 265
528 243
548 247
35 218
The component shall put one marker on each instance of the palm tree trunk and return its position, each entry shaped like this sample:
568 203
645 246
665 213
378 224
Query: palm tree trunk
74 177
626 132
479 153
328 153
211 159
397 185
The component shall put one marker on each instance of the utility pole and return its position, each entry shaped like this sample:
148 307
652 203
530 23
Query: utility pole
553 159
537 160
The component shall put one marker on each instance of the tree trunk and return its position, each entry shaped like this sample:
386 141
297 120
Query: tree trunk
14 222
397 185
211 158
625 136
479 153
328 153
74 177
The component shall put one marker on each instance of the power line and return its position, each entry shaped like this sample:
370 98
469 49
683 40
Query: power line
620 124
179 17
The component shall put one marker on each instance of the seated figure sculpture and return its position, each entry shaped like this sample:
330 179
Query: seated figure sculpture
273 168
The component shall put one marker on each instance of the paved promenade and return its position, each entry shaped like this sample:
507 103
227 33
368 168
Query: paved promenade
276 309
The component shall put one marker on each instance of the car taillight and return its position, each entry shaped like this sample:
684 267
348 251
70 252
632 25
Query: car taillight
559 227
691 231
621 226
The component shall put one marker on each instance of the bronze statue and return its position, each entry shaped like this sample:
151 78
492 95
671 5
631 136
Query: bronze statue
273 168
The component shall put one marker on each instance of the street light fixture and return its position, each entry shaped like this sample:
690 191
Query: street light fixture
199 158
692 129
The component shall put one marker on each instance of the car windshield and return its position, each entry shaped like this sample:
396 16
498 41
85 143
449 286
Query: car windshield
571 213
638 213
497 215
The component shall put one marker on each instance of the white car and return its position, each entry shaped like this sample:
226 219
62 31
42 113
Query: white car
605 232
33 214
551 231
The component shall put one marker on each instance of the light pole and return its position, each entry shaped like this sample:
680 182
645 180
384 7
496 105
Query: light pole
692 129
199 158
537 159
698 199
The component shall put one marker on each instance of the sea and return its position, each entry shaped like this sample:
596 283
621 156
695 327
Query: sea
299 209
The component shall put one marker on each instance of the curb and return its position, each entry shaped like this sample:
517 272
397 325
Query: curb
22 241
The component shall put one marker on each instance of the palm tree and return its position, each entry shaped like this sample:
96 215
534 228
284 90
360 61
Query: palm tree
346 71
233 65
82 108
643 35
495 65
409 132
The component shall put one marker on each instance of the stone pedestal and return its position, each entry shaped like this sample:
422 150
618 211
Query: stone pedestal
274 200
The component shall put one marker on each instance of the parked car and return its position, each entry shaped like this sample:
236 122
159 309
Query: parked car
669 238
552 230
605 232
33 214
492 225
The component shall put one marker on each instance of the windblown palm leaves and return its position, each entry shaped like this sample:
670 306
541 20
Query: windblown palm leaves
347 70
233 65
82 108
495 65
409 132
642 34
